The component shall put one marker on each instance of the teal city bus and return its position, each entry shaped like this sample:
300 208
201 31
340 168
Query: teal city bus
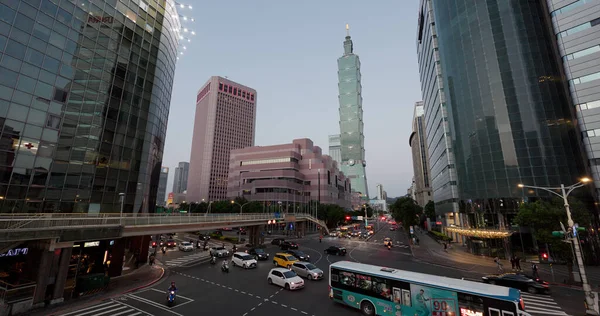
387 291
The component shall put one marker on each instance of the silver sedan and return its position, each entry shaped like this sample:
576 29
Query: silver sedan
307 270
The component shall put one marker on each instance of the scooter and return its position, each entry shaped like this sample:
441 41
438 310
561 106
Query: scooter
213 260
171 298
225 267
389 247
164 250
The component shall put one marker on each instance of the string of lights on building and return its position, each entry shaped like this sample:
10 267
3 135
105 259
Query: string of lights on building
184 31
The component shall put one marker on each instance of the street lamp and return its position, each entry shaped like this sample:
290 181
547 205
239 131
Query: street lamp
122 198
366 223
589 296
208 209
241 208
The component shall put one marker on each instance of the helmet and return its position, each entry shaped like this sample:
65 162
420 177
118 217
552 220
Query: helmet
172 283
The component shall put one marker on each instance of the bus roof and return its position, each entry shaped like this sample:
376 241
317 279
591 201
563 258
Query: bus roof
439 281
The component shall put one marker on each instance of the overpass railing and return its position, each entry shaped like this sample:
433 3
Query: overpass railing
54 221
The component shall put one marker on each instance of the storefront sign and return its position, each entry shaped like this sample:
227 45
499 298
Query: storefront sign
468 312
91 244
15 252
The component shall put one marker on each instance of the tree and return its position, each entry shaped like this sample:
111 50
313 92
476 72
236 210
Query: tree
407 211
545 217
430 210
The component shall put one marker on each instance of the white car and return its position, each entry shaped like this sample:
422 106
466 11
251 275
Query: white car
244 260
186 246
285 278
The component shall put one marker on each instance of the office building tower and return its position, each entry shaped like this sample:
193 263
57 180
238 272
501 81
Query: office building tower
576 25
225 120
508 113
84 104
420 157
380 192
181 177
295 174
442 173
334 149
352 139
85 90
161 195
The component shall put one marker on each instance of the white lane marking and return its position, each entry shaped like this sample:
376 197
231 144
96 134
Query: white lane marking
295 309
350 255
111 310
149 302
187 298
135 308
96 310
84 309
303 312
284 305
318 252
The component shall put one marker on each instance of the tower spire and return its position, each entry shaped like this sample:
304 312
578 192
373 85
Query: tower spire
348 42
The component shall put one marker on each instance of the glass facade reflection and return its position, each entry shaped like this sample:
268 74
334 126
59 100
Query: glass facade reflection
508 108
84 99
352 139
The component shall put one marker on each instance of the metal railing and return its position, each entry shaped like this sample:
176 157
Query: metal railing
10 293
58 221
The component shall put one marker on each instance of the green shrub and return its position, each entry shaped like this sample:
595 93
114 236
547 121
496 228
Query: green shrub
439 236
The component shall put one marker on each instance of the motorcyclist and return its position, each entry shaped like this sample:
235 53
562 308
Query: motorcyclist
224 265
172 287
213 259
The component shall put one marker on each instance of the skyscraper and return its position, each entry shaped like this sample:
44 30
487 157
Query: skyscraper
508 115
576 25
380 192
420 157
161 195
438 138
181 177
225 120
334 149
84 102
352 139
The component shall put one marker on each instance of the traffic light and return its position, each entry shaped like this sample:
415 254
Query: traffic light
347 218
558 233
154 244
545 256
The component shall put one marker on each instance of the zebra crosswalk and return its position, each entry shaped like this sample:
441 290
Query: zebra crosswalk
110 308
541 305
187 259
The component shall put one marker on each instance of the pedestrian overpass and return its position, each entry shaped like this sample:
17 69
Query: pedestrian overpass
16 228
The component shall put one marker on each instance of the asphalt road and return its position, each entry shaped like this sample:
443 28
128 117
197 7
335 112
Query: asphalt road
204 288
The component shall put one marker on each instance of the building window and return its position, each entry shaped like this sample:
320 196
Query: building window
220 86
589 105
53 122
252 97
244 94
230 89
235 90
60 95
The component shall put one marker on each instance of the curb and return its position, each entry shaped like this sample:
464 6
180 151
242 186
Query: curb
101 299
162 273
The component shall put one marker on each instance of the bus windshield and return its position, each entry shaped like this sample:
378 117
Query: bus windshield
397 292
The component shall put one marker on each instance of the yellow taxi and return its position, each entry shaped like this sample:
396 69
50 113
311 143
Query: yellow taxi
387 241
284 260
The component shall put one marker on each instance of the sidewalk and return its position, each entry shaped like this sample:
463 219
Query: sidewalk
458 257
140 278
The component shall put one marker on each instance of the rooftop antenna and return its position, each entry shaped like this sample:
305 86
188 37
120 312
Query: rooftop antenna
347 29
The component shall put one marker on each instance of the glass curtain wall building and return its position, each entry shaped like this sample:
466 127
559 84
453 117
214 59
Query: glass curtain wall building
352 139
576 25
442 171
85 88
509 114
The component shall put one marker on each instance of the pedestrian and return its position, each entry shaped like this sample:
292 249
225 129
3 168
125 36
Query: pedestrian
445 247
518 263
534 270
512 262
417 241
498 265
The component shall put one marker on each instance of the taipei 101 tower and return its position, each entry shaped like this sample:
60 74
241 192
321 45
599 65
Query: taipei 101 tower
352 139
